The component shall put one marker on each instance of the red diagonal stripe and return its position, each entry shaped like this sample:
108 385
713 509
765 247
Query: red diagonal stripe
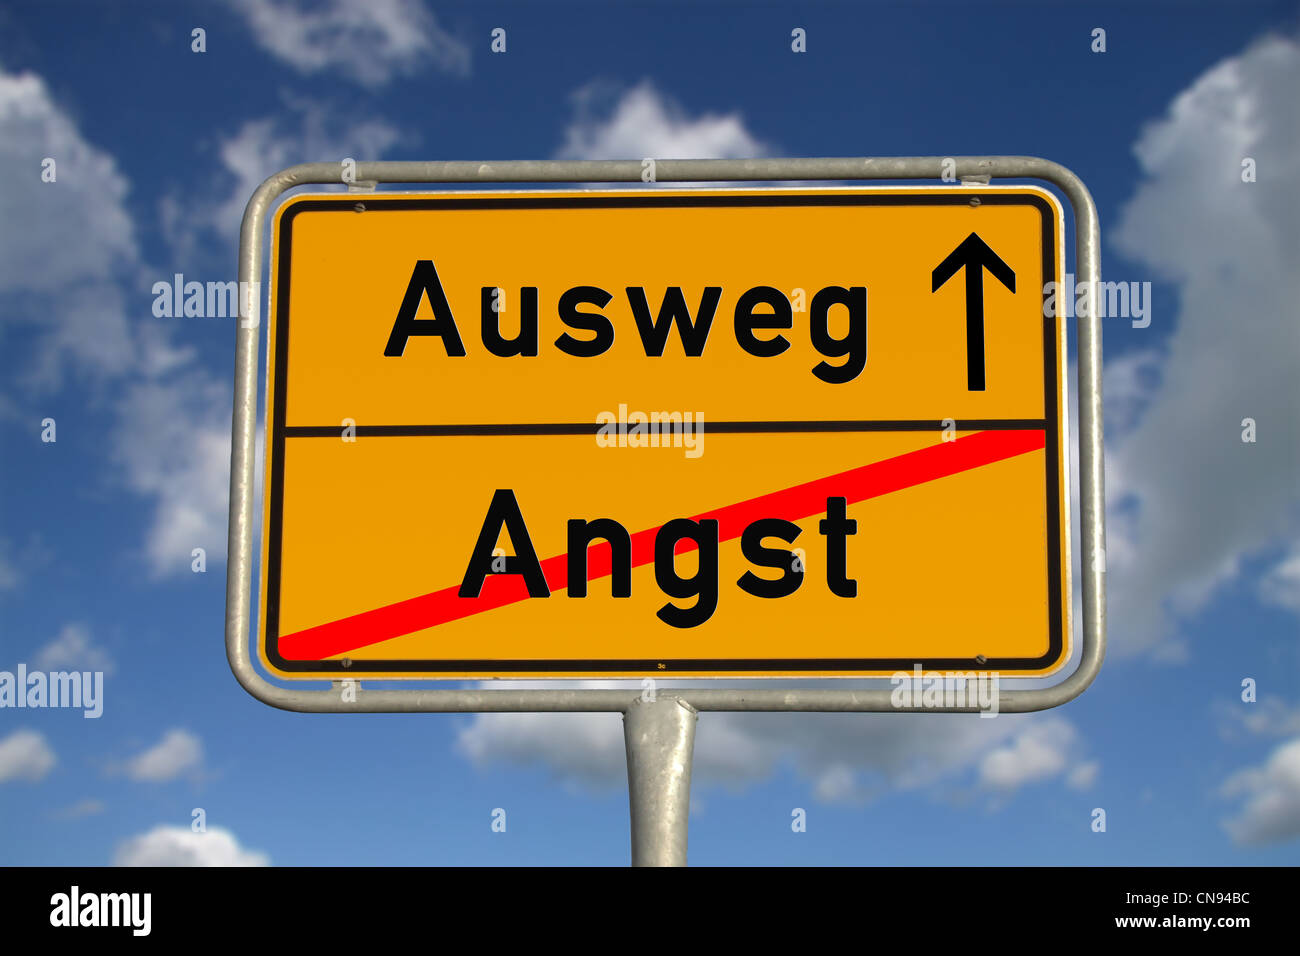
800 501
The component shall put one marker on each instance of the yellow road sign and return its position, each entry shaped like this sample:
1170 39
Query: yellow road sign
699 432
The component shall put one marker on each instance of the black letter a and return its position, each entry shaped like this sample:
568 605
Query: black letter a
504 513
424 281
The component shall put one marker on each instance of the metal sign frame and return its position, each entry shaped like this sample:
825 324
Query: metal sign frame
659 728
304 634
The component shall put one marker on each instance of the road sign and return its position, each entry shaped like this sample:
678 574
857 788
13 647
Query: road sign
715 432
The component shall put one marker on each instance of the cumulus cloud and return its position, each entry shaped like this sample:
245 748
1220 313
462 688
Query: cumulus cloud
585 748
21 562
368 41
79 810
1270 716
844 757
25 755
1084 775
302 131
172 442
1129 382
642 122
88 189
72 649
51 276
1190 501
1281 585
171 437
1039 752
1271 813
836 784
180 846
178 752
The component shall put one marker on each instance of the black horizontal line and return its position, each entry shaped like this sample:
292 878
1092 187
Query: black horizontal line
739 428
667 665
398 202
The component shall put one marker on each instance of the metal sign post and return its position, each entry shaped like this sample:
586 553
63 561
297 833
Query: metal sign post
659 728
660 736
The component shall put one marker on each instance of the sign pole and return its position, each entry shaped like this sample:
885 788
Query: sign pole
660 735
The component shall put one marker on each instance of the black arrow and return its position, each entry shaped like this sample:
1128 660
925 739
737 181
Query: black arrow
976 256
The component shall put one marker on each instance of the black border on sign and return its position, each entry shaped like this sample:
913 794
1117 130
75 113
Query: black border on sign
783 666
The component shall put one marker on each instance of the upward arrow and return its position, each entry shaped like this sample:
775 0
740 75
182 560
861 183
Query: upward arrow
976 256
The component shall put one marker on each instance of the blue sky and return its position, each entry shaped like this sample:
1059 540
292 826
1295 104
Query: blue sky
157 150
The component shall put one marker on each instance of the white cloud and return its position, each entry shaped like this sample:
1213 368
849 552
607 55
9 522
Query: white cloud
51 275
845 757
21 562
88 190
1040 752
1129 382
586 748
589 748
71 649
173 444
25 755
1083 776
171 437
177 753
180 846
303 131
79 810
369 41
1269 716
1281 585
1272 810
836 784
644 123
1192 500
313 132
